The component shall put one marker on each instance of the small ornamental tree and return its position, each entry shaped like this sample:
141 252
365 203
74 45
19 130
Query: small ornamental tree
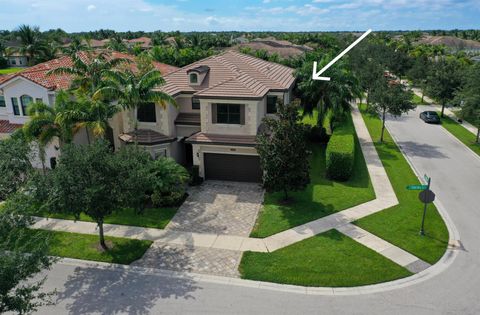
24 253
390 97
444 79
15 166
283 151
469 97
87 180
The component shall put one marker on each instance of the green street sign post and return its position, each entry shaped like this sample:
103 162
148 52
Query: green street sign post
417 187
426 196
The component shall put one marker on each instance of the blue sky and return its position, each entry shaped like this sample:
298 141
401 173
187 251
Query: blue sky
246 15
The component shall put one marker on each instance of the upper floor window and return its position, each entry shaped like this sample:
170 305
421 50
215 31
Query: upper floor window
16 109
193 78
25 100
2 101
147 113
195 103
229 114
271 104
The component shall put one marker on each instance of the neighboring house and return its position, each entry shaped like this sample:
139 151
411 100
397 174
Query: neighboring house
283 48
142 42
17 60
33 84
221 103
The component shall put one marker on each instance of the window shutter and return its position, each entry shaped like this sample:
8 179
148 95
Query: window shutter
214 113
242 114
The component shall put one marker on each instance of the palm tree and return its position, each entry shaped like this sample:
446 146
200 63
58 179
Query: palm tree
48 122
131 91
332 96
93 115
77 45
32 42
87 70
116 44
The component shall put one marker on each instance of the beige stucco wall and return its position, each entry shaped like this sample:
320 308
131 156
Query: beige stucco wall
251 119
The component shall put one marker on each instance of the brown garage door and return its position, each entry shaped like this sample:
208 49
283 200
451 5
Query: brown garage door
242 168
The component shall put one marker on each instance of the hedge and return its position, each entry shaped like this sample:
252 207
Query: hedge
341 152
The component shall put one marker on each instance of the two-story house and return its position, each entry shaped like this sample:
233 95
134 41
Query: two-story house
18 90
221 101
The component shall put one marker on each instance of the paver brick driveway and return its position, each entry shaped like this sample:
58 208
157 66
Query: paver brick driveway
219 207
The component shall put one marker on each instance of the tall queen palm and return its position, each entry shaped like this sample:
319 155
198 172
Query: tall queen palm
132 91
87 70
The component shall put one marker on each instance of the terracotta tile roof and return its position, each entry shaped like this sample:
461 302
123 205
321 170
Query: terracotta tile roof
206 138
145 137
232 74
144 42
192 119
7 127
38 73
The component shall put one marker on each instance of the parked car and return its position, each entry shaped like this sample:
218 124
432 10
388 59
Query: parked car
430 117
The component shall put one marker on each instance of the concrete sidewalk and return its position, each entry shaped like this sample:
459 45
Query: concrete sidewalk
384 248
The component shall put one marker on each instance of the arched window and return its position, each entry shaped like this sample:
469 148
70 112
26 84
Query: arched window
24 101
193 78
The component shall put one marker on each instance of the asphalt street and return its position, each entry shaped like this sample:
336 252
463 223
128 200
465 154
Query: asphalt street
455 173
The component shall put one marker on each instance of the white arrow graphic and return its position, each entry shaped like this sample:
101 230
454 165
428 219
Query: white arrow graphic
316 75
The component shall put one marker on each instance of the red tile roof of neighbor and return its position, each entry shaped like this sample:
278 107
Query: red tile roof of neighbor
7 127
38 73
232 74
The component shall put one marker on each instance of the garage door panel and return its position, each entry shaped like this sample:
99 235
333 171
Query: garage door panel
243 168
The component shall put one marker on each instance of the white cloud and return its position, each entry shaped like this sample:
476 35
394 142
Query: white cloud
91 7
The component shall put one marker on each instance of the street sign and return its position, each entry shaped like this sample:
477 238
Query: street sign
426 178
426 196
417 187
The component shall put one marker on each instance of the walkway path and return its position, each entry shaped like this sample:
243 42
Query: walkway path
447 112
392 252
230 246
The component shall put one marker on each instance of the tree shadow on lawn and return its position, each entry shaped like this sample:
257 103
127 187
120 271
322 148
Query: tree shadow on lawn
113 291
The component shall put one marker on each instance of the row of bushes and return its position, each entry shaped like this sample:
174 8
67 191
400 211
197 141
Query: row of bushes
340 155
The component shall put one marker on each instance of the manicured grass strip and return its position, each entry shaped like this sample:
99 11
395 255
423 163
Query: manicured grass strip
10 70
329 259
400 225
151 218
462 134
82 246
417 100
321 197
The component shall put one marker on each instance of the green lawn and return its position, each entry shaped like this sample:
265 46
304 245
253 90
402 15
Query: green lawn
417 100
328 259
321 197
400 225
151 217
461 133
10 70
82 246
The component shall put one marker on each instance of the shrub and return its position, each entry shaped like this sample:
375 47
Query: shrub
341 153
170 180
3 63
